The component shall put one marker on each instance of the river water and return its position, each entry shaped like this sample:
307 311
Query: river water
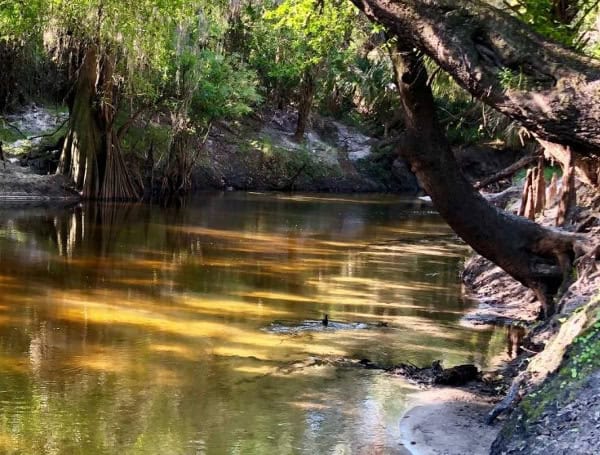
133 329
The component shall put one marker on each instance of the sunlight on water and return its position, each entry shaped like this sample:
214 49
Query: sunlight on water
136 329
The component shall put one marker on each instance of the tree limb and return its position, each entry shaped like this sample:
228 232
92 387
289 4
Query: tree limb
506 172
551 90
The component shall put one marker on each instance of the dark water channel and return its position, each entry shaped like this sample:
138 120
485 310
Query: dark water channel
143 330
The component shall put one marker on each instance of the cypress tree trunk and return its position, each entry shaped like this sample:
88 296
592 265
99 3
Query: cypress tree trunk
83 144
91 156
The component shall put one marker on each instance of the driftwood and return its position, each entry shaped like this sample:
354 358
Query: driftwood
434 374
509 401
502 198
458 375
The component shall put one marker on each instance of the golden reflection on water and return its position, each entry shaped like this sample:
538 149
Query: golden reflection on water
144 330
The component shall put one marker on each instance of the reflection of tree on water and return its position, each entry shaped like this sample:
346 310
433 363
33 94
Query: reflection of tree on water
143 325
267 253
514 338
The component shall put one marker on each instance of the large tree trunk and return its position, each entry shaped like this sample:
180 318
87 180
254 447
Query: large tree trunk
83 143
305 101
91 155
537 257
551 90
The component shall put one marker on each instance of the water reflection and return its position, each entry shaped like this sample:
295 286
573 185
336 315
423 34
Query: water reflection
129 328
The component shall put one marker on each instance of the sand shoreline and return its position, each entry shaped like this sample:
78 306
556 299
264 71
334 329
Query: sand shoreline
447 421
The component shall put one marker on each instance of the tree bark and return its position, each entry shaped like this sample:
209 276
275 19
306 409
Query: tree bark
535 256
305 101
91 156
551 90
79 157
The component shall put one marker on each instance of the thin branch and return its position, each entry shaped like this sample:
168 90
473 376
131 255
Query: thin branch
51 134
10 125
583 17
433 75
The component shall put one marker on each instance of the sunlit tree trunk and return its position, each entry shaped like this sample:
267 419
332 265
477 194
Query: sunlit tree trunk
91 156
83 144
481 47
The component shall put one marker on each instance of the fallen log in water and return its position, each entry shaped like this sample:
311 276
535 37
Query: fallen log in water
436 374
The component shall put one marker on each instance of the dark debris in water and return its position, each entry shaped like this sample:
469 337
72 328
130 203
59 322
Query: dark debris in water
294 328
434 374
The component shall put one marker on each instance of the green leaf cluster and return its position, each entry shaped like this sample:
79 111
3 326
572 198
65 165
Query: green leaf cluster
226 88
568 26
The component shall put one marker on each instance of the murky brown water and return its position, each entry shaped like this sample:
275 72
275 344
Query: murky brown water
132 329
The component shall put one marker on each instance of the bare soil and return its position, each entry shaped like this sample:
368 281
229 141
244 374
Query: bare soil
447 421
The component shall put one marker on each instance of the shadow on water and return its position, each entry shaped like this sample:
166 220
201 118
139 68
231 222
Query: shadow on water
150 330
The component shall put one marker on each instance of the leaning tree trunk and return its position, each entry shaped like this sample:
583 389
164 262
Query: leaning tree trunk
91 156
551 90
307 94
537 257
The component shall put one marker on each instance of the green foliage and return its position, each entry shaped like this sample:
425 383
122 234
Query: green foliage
587 357
227 88
285 162
141 138
141 33
564 22
295 36
510 80
19 20
368 88
378 165
8 134
314 30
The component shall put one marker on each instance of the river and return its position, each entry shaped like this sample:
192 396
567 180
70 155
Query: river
135 329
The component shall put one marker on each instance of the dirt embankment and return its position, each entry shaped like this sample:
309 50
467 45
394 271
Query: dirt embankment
259 153
19 184
30 158
256 153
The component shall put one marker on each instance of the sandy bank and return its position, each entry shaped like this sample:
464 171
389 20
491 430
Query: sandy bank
447 421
